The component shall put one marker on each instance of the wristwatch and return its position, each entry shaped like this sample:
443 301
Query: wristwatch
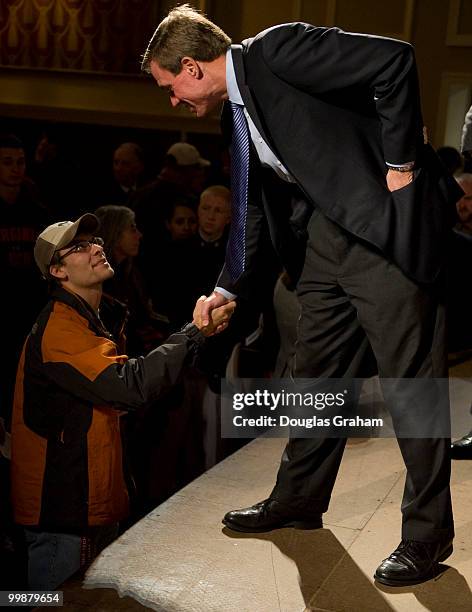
403 168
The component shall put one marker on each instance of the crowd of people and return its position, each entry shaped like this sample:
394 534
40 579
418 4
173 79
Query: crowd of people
166 240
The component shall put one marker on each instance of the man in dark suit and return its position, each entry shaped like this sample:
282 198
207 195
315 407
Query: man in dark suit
328 158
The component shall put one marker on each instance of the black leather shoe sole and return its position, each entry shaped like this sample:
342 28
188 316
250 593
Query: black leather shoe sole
434 573
315 524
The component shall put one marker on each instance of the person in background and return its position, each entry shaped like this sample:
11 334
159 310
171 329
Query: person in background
171 269
464 205
184 166
459 277
57 175
145 329
128 170
180 221
214 212
182 176
22 217
214 215
466 142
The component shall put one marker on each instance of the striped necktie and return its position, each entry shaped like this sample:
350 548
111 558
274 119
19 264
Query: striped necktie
239 190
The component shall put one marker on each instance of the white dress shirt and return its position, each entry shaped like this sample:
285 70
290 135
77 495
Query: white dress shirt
266 156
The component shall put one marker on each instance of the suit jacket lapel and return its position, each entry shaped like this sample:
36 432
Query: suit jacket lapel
237 54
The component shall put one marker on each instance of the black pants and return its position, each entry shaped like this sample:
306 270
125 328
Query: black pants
353 301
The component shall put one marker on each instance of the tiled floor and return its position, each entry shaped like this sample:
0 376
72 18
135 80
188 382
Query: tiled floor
180 558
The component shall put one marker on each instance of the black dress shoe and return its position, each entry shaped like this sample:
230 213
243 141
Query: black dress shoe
267 515
462 449
413 562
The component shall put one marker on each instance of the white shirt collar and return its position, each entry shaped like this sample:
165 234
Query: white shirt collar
231 82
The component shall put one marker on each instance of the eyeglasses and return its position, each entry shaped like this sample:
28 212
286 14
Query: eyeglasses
83 246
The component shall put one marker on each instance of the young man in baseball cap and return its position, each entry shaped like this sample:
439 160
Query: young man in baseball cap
73 383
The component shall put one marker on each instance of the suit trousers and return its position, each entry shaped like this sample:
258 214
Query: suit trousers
354 302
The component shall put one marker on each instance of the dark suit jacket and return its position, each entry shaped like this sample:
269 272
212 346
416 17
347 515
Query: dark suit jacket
334 107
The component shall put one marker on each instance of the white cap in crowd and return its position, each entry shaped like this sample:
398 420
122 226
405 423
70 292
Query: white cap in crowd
186 154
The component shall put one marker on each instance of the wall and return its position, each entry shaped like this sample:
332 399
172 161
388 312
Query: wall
444 54
444 63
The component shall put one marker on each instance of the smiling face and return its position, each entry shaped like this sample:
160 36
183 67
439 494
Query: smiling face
84 270
197 86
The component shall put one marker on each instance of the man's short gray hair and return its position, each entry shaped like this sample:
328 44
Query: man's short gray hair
185 32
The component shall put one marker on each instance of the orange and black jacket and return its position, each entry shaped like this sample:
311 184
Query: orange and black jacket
72 384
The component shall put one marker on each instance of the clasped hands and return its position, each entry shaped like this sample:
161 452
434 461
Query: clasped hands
212 314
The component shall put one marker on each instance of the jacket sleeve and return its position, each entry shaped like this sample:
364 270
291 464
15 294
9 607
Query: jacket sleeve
256 242
323 61
466 144
89 367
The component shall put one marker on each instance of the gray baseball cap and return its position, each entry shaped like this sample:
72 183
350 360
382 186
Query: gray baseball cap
186 154
59 235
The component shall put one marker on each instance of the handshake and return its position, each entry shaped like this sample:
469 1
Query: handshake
212 314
